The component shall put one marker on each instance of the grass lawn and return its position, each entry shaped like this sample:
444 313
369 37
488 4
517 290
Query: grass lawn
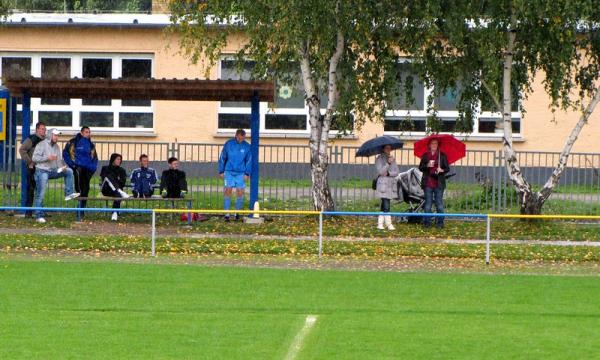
53 309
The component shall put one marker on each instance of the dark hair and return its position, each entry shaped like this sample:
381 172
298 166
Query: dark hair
143 156
113 158
171 159
83 128
240 132
40 123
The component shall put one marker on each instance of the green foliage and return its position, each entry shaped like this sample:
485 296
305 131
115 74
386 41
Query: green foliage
79 5
3 10
556 39
280 34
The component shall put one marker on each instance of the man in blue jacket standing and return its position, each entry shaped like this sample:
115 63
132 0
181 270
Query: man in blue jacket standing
235 167
80 155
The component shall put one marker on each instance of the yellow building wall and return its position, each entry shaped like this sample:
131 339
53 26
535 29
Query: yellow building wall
197 121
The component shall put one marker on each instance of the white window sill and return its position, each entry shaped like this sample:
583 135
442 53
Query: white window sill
474 137
280 135
113 133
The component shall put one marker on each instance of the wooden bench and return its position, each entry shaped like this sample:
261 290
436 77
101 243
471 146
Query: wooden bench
188 202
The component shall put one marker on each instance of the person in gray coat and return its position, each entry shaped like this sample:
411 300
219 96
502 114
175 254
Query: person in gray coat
49 164
386 190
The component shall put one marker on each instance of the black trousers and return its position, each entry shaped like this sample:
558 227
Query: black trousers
111 193
30 189
142 195
385 205
82 178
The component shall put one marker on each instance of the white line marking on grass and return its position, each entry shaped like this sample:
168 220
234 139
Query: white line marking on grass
299 339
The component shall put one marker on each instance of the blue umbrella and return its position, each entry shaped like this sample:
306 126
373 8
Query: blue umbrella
375 146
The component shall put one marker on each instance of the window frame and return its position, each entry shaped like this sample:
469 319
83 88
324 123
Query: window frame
264 110
399 115
76 107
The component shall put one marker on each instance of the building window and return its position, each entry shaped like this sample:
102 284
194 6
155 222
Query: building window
136 120
289 112
230 71
16 67
234 121
406 117
285 122
407 79
96 119
496 126
71 114
56 118
405 124
136 69
56 68
96 68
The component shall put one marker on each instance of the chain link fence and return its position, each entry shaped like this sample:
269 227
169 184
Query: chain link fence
481 182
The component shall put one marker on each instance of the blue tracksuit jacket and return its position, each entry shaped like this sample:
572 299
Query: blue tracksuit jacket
142 180
81 152
236 157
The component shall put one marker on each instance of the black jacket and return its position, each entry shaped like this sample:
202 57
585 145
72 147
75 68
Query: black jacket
425 170
174 181
115 174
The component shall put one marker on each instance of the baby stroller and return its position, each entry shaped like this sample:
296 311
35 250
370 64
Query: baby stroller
411 192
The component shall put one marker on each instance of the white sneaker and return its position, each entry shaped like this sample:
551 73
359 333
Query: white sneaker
114 216
123 194
71 196
40 220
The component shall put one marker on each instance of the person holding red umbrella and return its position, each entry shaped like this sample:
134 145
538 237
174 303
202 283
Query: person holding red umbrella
434 165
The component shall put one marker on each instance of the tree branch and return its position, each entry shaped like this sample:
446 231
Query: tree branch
492 95
564 155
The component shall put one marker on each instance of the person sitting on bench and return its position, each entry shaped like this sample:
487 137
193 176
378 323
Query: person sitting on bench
143 179
172 182
114 178
49 164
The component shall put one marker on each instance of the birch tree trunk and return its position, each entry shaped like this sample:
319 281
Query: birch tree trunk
319 127
531 202
528 200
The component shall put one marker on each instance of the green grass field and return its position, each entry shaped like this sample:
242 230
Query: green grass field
55 309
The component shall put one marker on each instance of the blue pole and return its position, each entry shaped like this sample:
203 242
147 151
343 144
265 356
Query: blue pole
13 133
4 120
24 135
255 129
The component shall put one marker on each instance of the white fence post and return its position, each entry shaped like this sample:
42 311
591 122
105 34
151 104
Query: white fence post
153 232
487 239
320 234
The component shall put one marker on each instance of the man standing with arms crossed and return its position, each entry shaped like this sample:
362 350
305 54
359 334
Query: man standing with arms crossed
80 155
26 152
235 168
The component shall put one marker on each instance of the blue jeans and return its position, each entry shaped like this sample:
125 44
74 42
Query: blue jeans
41 182
432 195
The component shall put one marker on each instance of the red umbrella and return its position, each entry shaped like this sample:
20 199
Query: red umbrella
449 145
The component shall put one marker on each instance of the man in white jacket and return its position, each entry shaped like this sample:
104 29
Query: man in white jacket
49 164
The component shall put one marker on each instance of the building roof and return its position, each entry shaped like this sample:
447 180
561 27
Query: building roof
142 89
87 20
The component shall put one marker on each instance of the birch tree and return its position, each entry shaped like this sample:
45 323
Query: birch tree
343 53
498 48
